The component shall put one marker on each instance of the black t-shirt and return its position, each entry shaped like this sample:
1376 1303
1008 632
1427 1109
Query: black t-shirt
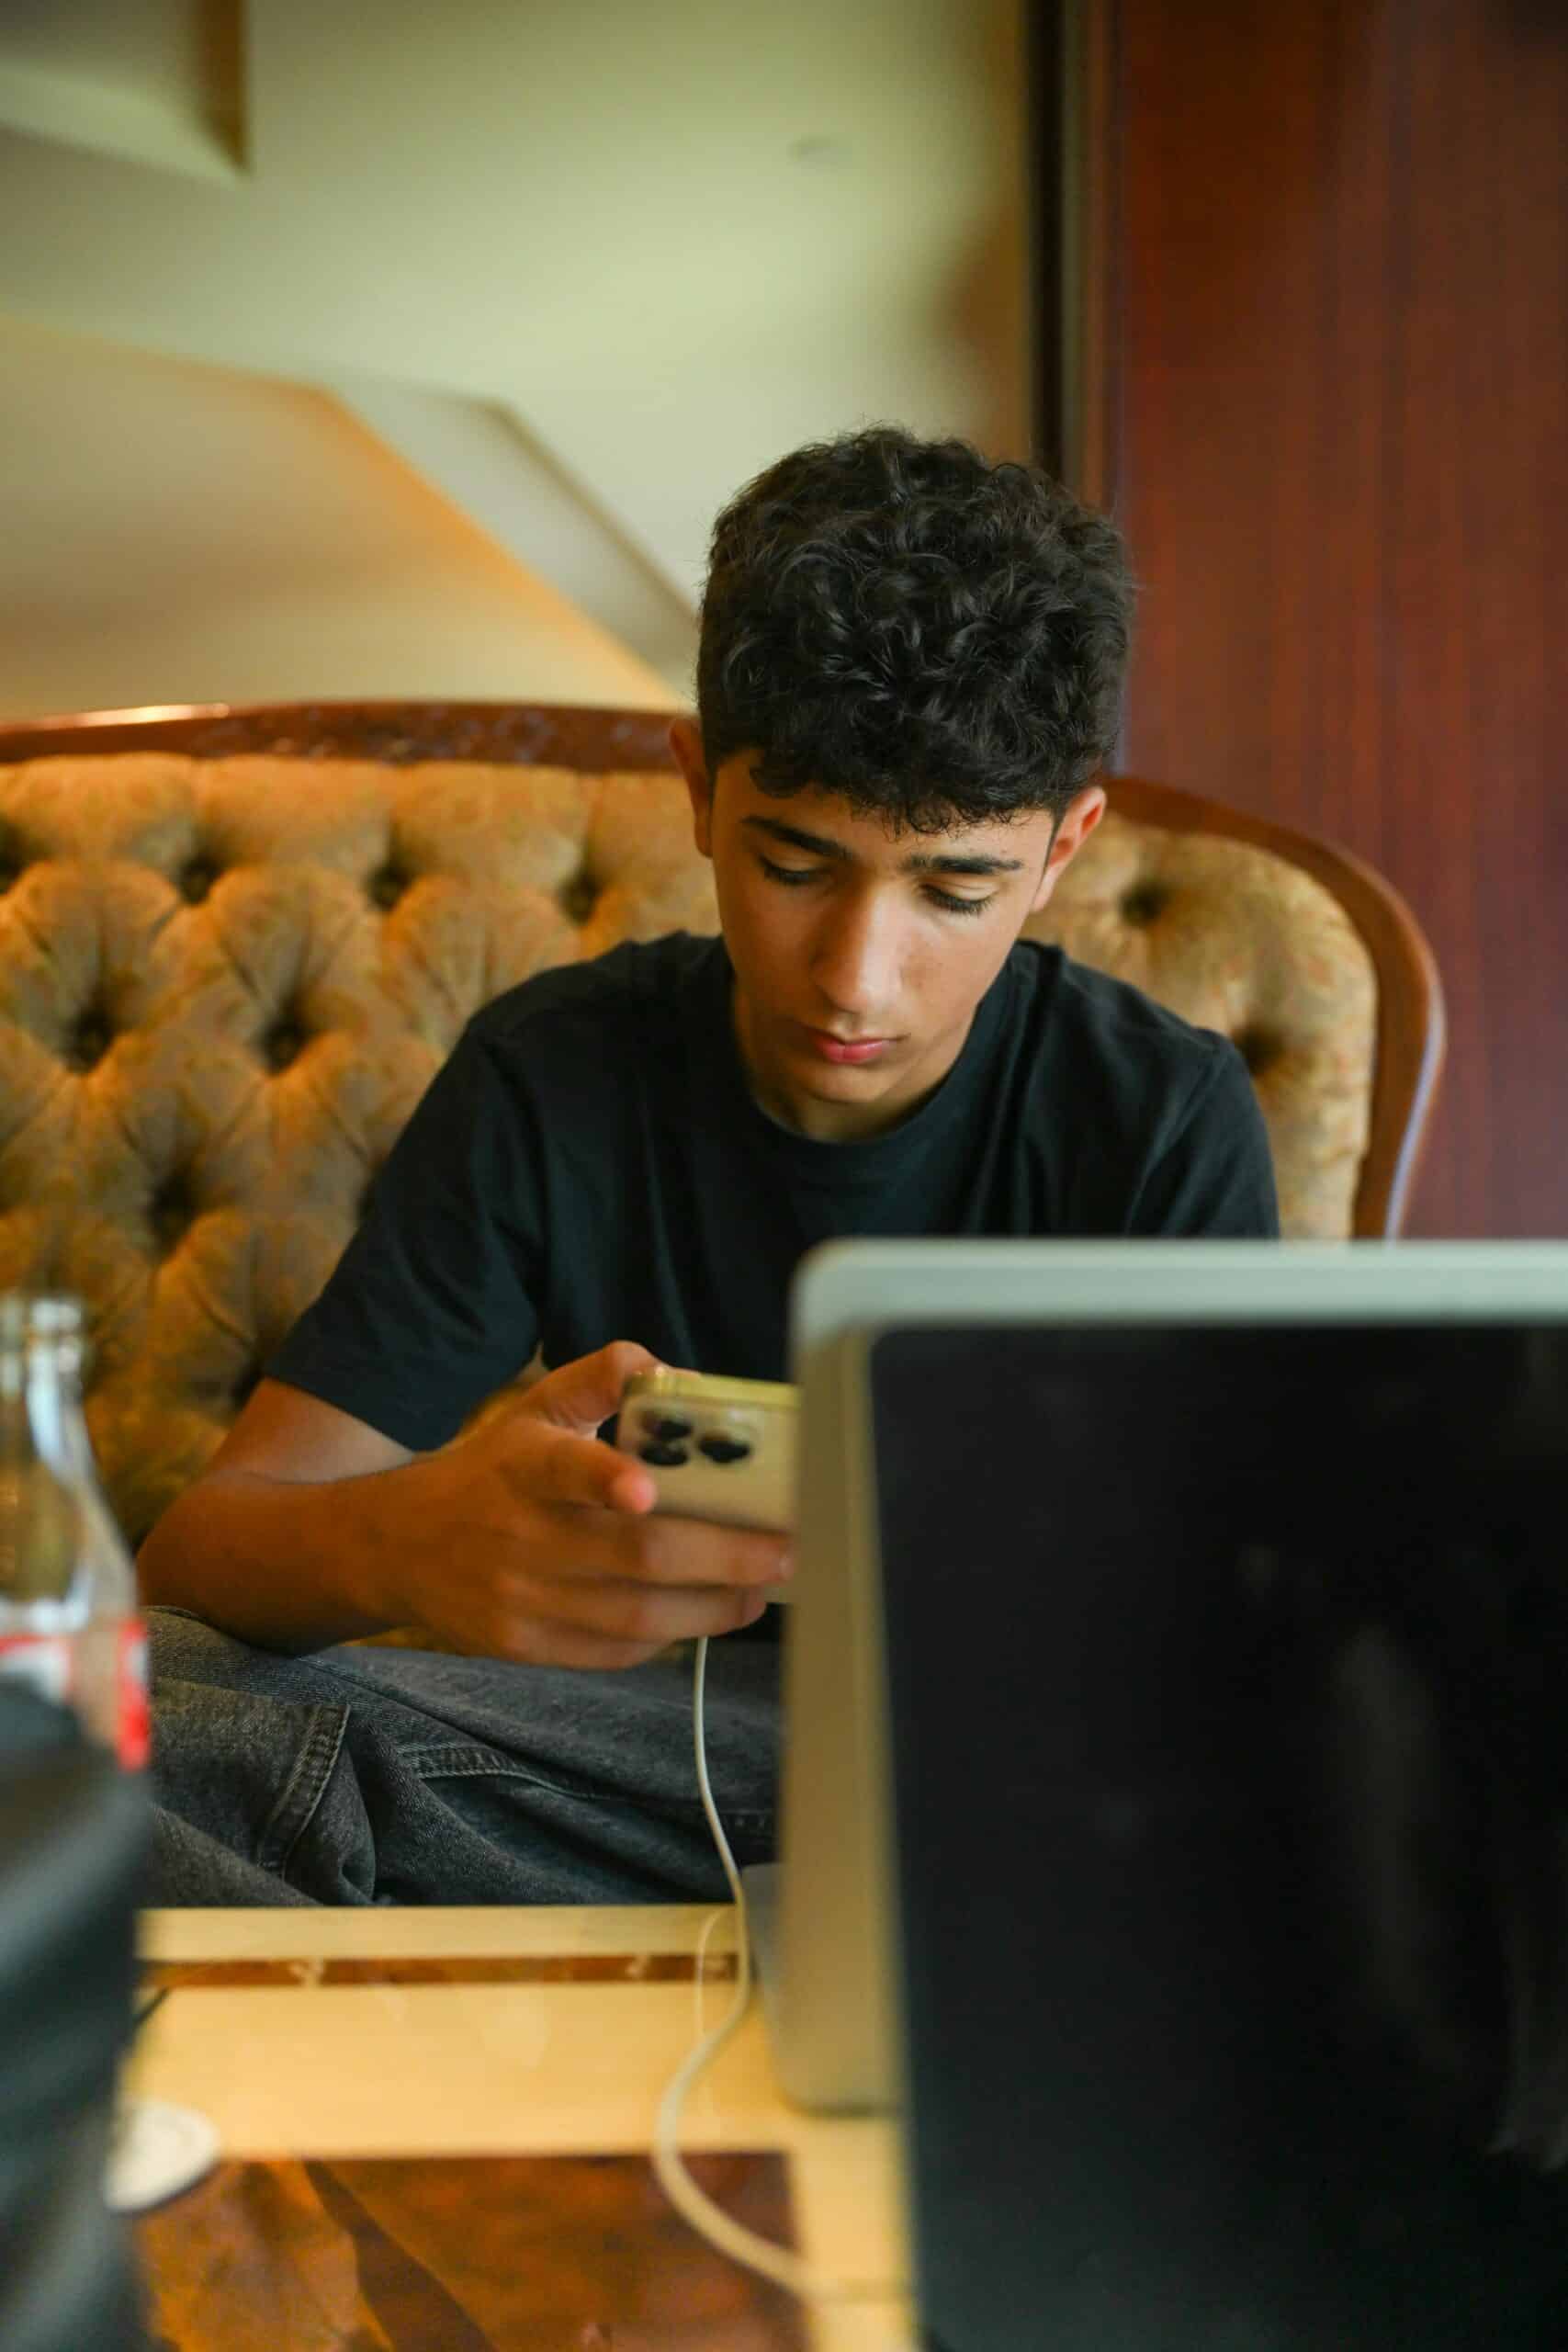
590 1165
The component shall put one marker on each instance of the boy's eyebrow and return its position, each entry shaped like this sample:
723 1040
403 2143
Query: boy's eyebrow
918 862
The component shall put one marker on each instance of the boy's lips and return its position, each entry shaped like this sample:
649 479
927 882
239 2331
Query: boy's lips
851 1050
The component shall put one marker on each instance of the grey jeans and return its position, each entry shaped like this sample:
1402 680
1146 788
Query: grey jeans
406 1776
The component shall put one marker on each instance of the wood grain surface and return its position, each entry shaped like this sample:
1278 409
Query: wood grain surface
497 1968
527 2254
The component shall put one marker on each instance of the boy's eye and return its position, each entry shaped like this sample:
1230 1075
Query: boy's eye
796 877
951 906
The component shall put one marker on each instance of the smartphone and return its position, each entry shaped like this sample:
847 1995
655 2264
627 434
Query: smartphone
719 1449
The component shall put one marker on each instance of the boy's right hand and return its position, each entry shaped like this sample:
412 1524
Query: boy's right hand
537 1542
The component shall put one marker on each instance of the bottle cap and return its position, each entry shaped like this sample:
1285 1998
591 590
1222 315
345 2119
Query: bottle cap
38 1314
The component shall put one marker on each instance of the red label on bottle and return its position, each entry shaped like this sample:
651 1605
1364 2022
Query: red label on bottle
135 1740
44 1660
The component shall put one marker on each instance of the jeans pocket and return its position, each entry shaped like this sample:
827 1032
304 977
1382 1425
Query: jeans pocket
249 1770
457 1760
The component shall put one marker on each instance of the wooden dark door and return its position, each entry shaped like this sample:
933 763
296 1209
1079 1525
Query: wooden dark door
1310 345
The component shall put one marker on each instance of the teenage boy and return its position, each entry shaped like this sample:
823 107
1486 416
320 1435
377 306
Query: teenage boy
909 670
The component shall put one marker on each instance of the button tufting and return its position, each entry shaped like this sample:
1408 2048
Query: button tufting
579 898
172 1211
10 873
1145 904
284 1043
1257 1048
387 885
245 1387
88 1041
197 879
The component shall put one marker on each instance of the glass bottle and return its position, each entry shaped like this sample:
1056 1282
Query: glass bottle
69 1619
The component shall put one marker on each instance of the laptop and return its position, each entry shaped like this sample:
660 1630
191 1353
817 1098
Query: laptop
1175 1691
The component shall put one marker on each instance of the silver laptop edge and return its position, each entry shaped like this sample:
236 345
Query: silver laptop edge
837 2027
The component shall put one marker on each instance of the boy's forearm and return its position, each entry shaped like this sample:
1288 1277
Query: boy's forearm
287 1565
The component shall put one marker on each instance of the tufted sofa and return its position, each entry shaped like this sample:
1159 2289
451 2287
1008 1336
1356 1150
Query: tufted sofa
227 973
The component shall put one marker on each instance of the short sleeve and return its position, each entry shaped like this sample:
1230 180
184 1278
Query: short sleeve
432 1306
1214 1177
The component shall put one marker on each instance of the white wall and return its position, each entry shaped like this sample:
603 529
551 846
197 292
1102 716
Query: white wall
672 238
172 532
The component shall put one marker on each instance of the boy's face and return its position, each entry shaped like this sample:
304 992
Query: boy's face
860 955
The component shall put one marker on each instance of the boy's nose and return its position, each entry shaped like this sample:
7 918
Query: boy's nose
856 963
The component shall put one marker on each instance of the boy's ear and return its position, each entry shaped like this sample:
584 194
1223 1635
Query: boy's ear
686 745
1079 819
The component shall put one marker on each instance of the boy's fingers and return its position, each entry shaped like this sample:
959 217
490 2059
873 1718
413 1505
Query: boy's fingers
558 1466
664 1550
584 1395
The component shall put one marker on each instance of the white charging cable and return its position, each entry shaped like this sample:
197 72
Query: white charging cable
710 2221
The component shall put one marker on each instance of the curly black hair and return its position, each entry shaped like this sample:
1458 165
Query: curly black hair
940 640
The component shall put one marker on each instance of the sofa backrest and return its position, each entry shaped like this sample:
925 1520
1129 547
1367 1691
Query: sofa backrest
224 983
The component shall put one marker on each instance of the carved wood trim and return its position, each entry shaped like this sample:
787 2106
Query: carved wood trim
1411 1021
528 734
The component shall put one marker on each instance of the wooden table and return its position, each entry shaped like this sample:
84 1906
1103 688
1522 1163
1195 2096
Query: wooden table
435 2125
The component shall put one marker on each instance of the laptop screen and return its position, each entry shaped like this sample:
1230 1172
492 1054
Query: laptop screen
1225 1676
